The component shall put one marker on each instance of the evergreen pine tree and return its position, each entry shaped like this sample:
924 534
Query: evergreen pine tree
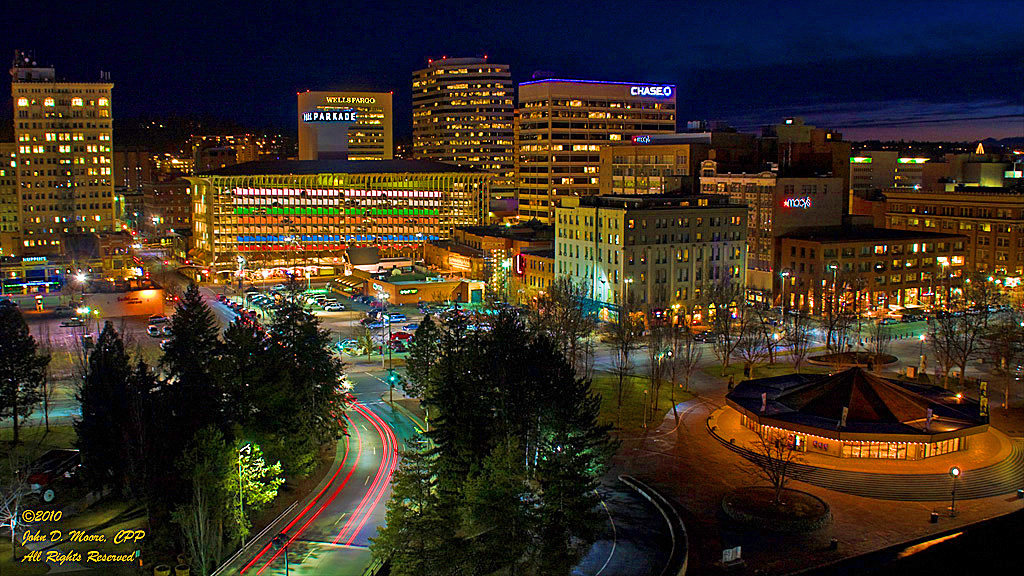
310 405
422 355
415 536
22 368
189 358
104 399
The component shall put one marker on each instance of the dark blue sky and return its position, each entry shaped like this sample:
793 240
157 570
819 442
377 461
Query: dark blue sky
928 70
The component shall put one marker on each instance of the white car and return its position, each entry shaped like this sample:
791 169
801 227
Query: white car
333 307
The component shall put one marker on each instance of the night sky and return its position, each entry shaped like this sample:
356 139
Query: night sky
914 70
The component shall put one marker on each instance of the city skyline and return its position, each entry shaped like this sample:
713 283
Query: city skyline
921 73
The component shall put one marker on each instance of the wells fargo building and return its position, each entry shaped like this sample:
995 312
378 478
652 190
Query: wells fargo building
281 213
345 126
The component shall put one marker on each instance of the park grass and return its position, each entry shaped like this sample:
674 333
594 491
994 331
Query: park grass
735 369
33 440
630 417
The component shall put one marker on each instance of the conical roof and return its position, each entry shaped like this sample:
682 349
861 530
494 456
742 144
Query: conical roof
867 397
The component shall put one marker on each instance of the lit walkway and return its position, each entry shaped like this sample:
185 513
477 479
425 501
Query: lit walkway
994 466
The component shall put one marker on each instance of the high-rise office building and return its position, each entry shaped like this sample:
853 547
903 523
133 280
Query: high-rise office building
462 115
345 126
63 135
564 123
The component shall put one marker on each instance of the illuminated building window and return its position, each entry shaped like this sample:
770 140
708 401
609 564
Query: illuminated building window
76 101
22 101
104 102
49 102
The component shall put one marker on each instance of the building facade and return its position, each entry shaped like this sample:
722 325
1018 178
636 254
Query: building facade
345 126
282 213
462 115
10 229
564 123
167 208
660 252
63 135
776 205
486 252
533 274
879 269
991 219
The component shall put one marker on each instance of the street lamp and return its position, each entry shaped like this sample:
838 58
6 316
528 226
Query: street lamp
246 450
955 473
786 273
281 541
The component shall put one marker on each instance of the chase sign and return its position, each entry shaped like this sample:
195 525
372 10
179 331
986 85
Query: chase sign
654 91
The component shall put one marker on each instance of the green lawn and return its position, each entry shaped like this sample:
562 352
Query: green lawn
33 441
783 366
630 417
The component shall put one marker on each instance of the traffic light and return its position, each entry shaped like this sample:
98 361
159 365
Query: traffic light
392 377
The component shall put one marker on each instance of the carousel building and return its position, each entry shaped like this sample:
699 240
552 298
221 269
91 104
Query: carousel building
856 414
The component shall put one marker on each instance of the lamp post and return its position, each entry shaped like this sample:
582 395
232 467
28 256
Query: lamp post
955 473
281 541
834 267
786 273
246 450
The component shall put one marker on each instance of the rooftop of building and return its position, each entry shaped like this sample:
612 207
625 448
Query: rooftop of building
457 248
960 190
659 201
531 229
871 404
827 234
546 252
309 167
580 81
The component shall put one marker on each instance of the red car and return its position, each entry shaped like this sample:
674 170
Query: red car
403 336
46 472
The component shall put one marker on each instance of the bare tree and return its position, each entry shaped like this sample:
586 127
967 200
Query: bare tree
1004 348
879 339
684 356
957 332
727 300
797 336
563 315
773 455
623 334
752 341
50 378
657 340
840 312
14 490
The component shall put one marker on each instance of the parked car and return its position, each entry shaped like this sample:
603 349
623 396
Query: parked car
913 318
221 298
277 287
63 311
163 344
166 330
157 319
397 318
153 330
72 323
707 337
333 307
889 321
399 345
47 472
376 325
411 327
401 336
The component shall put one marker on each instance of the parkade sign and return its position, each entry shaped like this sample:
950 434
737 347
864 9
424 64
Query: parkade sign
347 115
655 91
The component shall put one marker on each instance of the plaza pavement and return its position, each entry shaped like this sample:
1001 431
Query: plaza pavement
686 463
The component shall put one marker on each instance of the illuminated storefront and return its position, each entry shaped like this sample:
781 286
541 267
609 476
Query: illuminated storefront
855 414
299 213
